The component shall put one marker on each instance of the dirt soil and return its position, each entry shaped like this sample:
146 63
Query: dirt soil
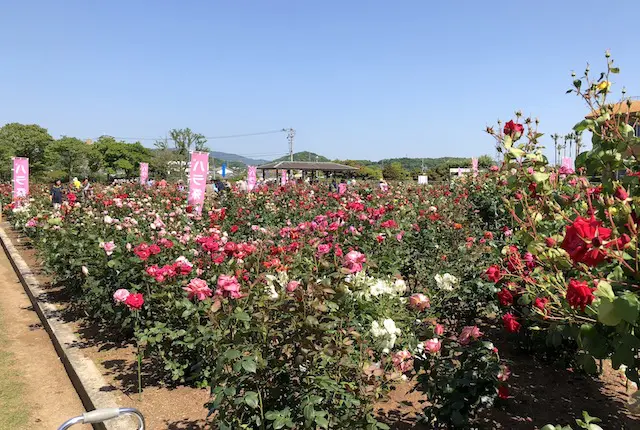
541 393
41 385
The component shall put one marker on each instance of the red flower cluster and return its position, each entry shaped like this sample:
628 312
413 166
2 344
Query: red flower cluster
505 297
144 251
493 273
511 323
134 301
513 129
579 294
584 241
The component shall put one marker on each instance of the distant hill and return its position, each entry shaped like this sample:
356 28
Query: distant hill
304 156
238 158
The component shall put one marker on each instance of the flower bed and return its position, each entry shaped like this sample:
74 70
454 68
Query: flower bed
296 306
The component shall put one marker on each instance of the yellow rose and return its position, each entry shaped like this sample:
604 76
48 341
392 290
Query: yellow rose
603 86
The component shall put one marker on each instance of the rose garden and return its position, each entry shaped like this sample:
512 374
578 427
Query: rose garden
299 306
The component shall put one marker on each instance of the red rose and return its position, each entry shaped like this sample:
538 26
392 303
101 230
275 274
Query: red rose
154 249
493 273
513 129
541 303
551 242
488 235
579 294
389 224
584 239
505 297
503 392
621 193
234 228
142 251
511 323
134 301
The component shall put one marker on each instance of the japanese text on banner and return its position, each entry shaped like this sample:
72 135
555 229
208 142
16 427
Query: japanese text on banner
198 172
251 177
20 177
144 173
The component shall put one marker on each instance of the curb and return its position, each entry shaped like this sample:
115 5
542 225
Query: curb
92 388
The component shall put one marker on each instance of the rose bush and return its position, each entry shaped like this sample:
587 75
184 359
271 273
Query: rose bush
569 271
298 306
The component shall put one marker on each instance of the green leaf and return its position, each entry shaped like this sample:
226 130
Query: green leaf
322 422
232 354
577 83
516 152
583 125
251 399
627 307
507 142
249 365
242 316
540 176
614 70
588 363
272 415
607 314
605 291
279 423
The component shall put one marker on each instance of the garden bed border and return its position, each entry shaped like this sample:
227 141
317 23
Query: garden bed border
94 391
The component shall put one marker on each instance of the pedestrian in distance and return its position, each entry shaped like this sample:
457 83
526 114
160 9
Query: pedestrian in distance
56 194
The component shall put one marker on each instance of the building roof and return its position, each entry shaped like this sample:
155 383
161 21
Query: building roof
621 108
307 166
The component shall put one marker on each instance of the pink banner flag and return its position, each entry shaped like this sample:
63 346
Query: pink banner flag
459 171
198 172
474 166
251 177
20 178
342 188
144 173
283 178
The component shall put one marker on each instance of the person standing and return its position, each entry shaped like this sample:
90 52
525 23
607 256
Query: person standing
86 189
56 194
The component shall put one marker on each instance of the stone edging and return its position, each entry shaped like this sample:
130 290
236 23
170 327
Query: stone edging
93 390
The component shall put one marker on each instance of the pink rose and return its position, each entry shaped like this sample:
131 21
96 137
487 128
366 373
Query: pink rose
432 346
199 288
292 286
228 286
504 373
120 295
323 249
439 330
402 361
108 247
468 333
353 261
419 301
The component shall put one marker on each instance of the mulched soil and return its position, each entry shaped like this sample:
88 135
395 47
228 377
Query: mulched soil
542 393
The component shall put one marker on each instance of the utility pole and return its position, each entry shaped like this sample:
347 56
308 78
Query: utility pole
290 137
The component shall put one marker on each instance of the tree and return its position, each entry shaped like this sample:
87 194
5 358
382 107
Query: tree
394 172
185 141
120 157
68 154
485 161
20 140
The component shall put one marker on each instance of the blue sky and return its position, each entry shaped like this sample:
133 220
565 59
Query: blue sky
356 79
